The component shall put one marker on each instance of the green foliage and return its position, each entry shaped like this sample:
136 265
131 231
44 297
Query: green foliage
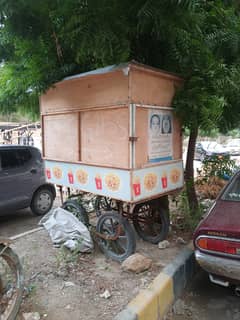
66 256
30 290
209 132
182 217
215 166
235 133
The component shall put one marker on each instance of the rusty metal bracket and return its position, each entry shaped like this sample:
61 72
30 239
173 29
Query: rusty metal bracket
133 139
108 237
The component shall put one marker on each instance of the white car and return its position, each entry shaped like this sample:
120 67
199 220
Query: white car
207 149
233 146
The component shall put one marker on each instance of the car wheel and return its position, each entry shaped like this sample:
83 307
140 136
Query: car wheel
42 201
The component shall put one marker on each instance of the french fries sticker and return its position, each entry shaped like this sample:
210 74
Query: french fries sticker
136 185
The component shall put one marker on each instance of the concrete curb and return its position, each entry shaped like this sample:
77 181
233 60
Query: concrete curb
155 301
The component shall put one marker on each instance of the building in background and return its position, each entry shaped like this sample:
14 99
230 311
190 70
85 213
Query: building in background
23 134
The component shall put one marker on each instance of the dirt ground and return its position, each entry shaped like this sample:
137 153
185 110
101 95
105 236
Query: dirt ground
60 286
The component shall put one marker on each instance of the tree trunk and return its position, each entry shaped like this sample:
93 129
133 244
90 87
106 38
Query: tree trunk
189 172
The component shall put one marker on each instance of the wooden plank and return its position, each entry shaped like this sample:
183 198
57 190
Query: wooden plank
104 137
152 89
61 137
80 93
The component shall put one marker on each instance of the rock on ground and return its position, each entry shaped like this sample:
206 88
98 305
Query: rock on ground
137 263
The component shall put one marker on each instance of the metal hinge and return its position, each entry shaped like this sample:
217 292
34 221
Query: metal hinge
133 139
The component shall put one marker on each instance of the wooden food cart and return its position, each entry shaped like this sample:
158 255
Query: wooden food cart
112 132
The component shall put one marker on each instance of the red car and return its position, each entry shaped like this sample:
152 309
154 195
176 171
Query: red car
217 237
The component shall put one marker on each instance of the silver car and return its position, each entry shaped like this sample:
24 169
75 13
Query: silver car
22 180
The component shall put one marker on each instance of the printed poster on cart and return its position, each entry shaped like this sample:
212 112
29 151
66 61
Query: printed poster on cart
160 133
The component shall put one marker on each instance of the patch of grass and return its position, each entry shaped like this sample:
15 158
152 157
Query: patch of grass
181 216
66 256
30 289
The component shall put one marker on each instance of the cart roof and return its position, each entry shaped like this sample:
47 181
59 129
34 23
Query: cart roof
111 86
125 68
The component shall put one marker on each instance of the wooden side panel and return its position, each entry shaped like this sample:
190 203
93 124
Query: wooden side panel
81 93
61 137
151 89
104 137
141 145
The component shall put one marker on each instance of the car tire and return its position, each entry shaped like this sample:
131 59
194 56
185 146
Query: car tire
42 201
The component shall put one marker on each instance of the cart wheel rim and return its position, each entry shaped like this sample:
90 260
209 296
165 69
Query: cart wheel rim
11 284
151 222
112 224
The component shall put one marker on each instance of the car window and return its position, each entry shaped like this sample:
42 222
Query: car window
14 158
233 191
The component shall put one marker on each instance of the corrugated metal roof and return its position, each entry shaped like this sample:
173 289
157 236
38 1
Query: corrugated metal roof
107 69
124 67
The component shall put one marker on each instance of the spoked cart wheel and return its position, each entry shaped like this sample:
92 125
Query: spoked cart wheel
151 221
115 236
77 210
11 283
104 204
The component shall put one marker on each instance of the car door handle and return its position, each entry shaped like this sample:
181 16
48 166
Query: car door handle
33 171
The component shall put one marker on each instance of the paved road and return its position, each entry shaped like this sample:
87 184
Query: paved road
206 301
16 222
13 223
